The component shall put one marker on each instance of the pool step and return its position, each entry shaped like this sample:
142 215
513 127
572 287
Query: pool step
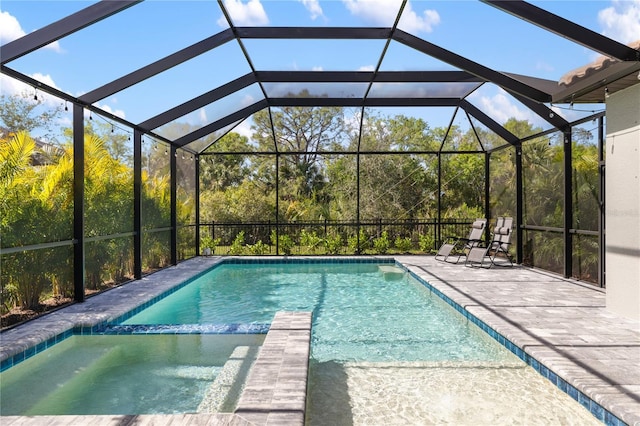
390 272
223 394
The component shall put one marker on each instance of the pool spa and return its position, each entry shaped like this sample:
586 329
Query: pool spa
386 348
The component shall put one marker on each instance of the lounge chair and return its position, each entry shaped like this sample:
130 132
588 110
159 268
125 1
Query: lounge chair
498 248
458 246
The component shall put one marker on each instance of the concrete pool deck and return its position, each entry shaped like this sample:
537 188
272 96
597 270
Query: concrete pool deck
561 323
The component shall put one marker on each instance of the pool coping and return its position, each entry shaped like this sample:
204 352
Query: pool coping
53 327
276 390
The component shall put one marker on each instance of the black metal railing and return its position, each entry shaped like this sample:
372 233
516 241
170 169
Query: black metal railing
424 235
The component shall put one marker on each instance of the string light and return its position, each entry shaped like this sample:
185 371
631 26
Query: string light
66 108
606 92
35 94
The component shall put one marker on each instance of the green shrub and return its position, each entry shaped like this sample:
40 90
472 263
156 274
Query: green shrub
310 240
352 242
403 244
284 242
426 243
333 244
237 247
258 248
382 243
208 242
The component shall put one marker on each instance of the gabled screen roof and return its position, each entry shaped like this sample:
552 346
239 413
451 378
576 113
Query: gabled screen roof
210 65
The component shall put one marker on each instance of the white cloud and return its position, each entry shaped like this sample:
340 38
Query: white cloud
413 23
378 12
384 12
46 79
500 108
247 100
313 6
621 21
367 68
10 87
244 129
317 68
11 30
117 112
202 116
244 14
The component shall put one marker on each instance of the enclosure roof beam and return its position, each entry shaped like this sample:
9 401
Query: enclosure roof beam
219 124
567 29
367 76
159 66
489 122
62 28
471 67
335 33
544 112
358 102
199 102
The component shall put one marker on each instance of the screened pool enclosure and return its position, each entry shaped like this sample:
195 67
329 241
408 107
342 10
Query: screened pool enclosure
190 126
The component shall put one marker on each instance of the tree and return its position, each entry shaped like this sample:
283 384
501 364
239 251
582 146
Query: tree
463 179
31 213
391 185
219 172
305 133
22 113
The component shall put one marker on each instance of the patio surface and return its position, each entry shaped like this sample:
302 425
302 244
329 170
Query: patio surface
562 323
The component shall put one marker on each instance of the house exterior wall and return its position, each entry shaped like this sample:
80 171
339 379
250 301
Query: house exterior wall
622 202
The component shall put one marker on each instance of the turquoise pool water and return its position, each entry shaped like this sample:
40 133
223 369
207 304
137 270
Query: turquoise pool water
133 374
359 312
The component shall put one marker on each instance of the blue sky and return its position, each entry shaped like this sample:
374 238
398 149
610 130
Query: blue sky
155 28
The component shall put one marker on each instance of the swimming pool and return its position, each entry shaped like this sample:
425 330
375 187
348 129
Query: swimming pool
360 313
384 348
411 359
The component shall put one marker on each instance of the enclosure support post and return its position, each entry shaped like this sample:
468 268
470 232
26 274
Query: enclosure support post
601 217
78 204
487 192
277 203
439 217
137 204
358 202
568 204
358 242
519 204
197 201
173 240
